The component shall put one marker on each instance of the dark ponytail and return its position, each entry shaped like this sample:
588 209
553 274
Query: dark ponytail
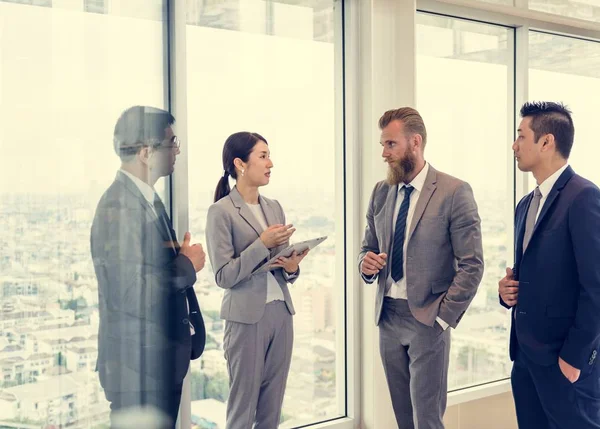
223 188
237 145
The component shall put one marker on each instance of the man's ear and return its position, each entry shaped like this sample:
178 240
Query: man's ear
145 154
548 142
417 141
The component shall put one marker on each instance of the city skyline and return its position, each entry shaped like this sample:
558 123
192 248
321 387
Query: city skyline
65 77
77 283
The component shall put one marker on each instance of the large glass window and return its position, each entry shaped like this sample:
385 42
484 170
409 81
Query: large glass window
502 2
568 70
268 67
468 116
65 77
581 9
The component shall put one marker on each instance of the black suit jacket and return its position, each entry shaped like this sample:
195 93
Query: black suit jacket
558 305
144 339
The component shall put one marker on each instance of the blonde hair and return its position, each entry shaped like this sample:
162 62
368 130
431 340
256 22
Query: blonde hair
412 120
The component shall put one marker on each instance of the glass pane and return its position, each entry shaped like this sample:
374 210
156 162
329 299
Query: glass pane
45 3
268 67
466 112
65 77
568 70
502 2
581 9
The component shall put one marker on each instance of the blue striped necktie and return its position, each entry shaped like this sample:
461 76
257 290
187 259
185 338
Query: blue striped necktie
399 233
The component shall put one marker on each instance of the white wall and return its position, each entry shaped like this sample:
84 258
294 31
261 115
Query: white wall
493 412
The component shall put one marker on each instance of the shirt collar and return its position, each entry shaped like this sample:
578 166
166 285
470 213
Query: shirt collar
419 181
547 185
146 190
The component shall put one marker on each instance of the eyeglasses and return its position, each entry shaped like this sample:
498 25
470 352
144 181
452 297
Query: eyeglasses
174 143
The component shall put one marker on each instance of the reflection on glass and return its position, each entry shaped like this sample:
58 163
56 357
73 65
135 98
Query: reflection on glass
466 112
65 76
150 323
502 2
273 74
575 64
588 10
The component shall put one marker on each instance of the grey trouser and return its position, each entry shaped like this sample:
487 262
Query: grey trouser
415 359
258 360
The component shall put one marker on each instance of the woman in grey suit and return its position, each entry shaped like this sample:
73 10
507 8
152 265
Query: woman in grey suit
244 230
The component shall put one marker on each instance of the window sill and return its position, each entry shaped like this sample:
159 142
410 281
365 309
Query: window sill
341 423
469 394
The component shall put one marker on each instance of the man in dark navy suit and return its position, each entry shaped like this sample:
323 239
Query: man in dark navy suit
554 287
150 321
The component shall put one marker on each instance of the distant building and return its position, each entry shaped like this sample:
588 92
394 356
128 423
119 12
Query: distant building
81 358
61 400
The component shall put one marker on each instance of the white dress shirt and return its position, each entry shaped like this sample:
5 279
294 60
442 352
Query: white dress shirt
397 290
149 195
274 292
546 186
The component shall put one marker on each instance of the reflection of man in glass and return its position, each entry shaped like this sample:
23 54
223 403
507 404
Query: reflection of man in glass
150 321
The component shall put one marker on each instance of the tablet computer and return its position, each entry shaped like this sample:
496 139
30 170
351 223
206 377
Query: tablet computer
298 247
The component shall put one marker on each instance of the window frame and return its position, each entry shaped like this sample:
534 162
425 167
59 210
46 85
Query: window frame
522 20
459 394
178 190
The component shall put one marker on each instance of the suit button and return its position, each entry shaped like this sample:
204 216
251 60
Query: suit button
185 321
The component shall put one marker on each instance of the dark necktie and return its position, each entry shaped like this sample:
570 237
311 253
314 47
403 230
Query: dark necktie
399 233
531 215
163 218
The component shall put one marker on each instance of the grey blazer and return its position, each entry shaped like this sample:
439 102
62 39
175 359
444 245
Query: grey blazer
236 251
444 251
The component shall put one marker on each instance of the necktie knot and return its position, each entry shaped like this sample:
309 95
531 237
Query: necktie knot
408 190
537 193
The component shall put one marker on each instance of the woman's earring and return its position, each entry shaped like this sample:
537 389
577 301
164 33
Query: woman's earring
242 172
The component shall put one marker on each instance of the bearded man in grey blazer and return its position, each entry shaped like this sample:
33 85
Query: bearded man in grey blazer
423 244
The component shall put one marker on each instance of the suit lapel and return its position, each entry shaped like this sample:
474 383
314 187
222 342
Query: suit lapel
547 204
428 190
272 219
554 193
245 211
520 226
136 193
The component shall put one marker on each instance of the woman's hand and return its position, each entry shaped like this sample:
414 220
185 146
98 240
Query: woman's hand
291 264
276 235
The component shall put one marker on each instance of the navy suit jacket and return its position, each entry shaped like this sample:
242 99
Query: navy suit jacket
144 341
558 304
